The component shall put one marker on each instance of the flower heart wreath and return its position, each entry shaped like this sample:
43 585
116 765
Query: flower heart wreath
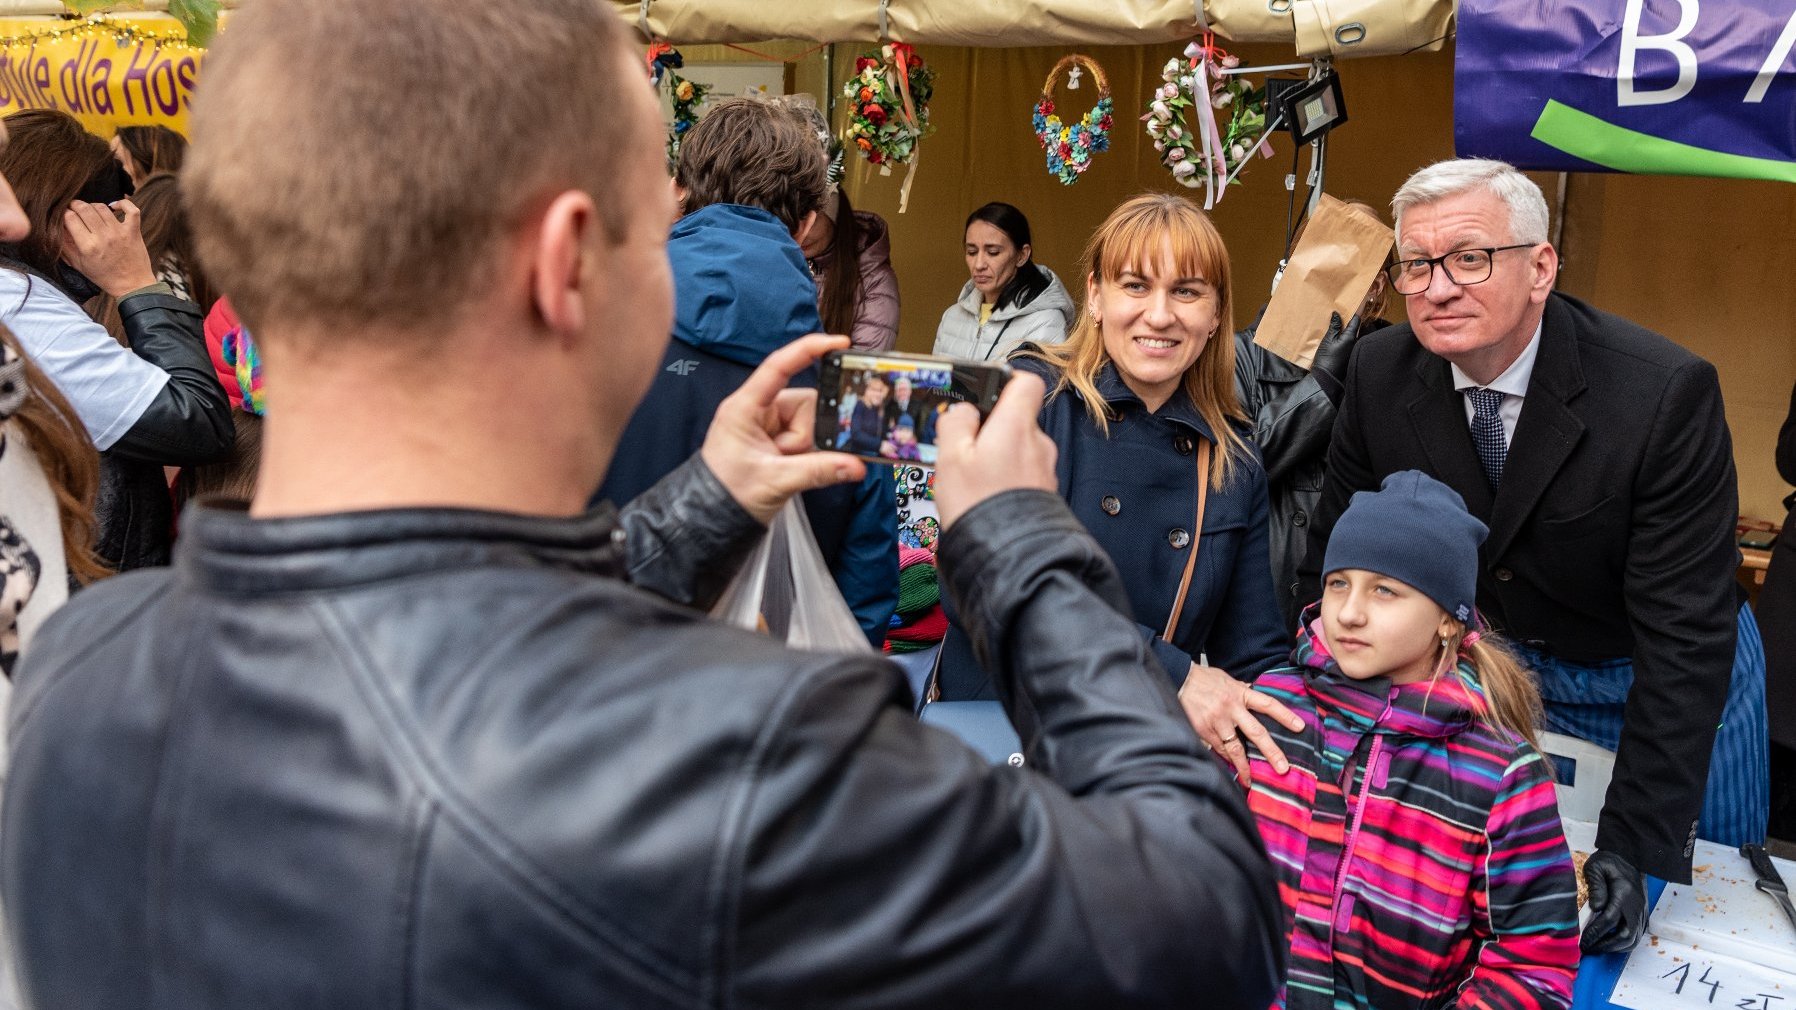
1184 128
688 96
888 114
1069 148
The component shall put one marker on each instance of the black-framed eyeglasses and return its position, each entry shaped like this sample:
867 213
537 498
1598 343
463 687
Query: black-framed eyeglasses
1464 267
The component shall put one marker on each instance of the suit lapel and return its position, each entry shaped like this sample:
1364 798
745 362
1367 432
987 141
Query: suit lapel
1546 433
1438 415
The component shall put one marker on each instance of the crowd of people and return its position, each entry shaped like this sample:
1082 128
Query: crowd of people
377 684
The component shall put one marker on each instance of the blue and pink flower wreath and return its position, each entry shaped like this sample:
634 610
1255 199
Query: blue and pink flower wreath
1069 148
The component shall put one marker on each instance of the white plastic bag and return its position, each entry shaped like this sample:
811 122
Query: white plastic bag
784 589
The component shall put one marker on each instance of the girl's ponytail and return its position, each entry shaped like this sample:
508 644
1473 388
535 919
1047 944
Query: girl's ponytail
1509 687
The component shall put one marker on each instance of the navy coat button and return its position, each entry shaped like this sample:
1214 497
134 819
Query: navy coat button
1300 518
1179 539
1110 505
1503 574
1182 443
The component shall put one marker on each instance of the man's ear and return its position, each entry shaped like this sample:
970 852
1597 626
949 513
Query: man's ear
805 226
560 286
1545 262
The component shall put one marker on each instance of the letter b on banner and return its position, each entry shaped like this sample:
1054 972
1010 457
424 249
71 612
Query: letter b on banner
1632 42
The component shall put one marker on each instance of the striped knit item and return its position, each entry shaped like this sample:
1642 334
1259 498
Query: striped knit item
1456 887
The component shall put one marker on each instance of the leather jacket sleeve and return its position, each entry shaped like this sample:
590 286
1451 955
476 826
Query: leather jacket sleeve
1292 421
686 537
189 421
1121 868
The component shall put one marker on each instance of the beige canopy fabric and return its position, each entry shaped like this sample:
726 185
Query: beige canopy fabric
1341 28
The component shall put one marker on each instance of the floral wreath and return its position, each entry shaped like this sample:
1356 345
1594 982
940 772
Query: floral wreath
1069 148
889 109
1192 144
688 96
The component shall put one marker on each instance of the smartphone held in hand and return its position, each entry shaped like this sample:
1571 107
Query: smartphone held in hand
884 407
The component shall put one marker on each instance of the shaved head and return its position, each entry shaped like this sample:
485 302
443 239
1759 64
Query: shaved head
357 164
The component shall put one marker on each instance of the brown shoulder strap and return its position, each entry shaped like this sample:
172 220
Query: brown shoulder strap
1197 537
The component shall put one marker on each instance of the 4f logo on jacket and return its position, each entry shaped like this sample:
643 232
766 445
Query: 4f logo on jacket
685 366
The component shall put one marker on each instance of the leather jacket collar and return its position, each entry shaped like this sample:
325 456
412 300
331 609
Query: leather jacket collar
227 551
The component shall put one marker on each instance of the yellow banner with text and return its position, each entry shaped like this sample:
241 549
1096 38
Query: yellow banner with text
133 70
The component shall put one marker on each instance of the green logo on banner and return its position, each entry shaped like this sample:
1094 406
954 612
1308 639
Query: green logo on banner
1582 135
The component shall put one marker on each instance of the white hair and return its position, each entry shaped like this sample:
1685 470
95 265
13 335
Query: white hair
1527 204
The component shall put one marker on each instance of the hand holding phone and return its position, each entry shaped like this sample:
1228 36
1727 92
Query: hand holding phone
1008 452
885 408
758 445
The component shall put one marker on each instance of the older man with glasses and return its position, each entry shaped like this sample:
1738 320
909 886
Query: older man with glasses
1598 454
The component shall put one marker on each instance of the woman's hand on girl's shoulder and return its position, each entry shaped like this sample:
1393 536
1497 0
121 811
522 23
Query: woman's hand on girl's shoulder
1224 710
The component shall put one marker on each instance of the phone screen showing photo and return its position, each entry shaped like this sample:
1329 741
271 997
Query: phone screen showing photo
885 407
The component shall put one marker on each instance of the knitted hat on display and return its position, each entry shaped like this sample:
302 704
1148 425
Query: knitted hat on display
1416 530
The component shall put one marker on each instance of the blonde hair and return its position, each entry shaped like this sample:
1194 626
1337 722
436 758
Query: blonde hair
1129 238
1512 698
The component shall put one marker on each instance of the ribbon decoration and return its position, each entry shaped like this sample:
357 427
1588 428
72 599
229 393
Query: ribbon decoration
1209 134
902 52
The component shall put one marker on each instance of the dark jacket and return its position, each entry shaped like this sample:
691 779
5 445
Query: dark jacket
1293 415
1776 610
741 292
1146 469
1612 537
188 423
443 758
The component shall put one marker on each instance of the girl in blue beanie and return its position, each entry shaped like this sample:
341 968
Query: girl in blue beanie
1415 834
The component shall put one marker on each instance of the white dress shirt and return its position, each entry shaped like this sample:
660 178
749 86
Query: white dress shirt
1513 384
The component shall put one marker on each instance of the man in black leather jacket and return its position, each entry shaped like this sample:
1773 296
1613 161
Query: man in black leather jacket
416 730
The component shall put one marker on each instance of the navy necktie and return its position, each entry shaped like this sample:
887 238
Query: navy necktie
1487 432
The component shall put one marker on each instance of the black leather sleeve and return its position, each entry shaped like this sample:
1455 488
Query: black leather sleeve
685 537
189 421
1349 470
1292 421
1120 868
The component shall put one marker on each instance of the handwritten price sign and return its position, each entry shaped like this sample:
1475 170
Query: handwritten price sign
1670 976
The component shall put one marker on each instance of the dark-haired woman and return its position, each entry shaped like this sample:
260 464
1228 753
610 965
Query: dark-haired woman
850 255
144 151
151 404
1010 300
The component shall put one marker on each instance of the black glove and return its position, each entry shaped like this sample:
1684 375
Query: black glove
1330 365
1617 904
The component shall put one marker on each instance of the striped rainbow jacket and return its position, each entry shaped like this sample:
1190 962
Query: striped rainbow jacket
1457 888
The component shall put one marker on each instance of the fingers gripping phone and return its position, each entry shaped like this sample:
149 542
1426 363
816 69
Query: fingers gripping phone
884 407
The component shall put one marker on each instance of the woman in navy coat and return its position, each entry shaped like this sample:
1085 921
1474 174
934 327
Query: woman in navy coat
1140 383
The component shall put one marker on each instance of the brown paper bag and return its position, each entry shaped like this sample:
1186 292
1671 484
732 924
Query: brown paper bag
1331 269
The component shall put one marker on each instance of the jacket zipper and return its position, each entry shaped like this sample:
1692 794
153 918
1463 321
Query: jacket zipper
1375 770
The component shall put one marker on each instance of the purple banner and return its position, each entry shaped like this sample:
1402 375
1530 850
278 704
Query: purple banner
1666 87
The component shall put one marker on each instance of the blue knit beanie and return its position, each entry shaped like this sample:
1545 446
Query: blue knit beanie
1416 530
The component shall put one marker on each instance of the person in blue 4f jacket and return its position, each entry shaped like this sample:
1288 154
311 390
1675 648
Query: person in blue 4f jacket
751 180
1140 385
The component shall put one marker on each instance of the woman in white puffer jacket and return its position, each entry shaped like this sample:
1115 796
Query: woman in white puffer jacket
1009 300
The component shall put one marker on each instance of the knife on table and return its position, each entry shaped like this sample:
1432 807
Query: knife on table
1769 881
